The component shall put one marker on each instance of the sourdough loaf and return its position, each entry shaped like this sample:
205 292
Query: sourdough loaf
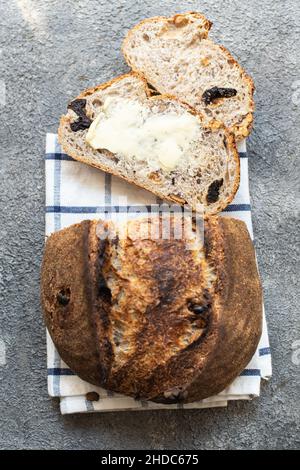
161 318
176 56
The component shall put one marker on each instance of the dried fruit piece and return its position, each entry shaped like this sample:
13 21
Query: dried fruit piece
213 191
198 309
152 89
78 106
83 122
201 312
215 92
63 297
92 396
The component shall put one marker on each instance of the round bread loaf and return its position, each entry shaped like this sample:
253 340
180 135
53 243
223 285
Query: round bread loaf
163 318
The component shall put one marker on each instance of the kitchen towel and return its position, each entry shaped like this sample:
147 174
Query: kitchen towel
75 192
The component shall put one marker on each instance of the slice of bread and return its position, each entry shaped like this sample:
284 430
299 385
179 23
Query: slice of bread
206 171
176 56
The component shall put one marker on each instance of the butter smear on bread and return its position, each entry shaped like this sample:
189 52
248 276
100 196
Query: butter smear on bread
130 129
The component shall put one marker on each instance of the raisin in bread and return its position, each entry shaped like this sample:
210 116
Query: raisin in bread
163 318
176 56
156 142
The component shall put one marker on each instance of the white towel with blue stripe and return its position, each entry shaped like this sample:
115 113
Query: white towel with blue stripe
75 192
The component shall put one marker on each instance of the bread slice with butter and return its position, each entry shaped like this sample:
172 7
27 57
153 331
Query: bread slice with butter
155 142
176 56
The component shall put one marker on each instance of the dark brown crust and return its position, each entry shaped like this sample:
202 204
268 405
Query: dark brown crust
214 125
65 265
240 130
81 330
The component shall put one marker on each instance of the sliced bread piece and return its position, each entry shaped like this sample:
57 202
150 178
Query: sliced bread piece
176 56
155 142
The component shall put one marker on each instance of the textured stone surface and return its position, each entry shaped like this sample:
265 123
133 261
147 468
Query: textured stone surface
50 51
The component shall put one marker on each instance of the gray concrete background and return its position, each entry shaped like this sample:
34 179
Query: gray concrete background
50 50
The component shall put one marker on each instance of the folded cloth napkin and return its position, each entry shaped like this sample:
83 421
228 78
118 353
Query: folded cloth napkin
75 192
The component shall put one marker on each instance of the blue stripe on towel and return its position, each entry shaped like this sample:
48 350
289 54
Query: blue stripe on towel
250 372
264 351
124 209
96 209
238 208
58 156
59 371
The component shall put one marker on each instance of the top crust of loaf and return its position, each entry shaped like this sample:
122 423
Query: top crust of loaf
162 76
132 301
104 160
